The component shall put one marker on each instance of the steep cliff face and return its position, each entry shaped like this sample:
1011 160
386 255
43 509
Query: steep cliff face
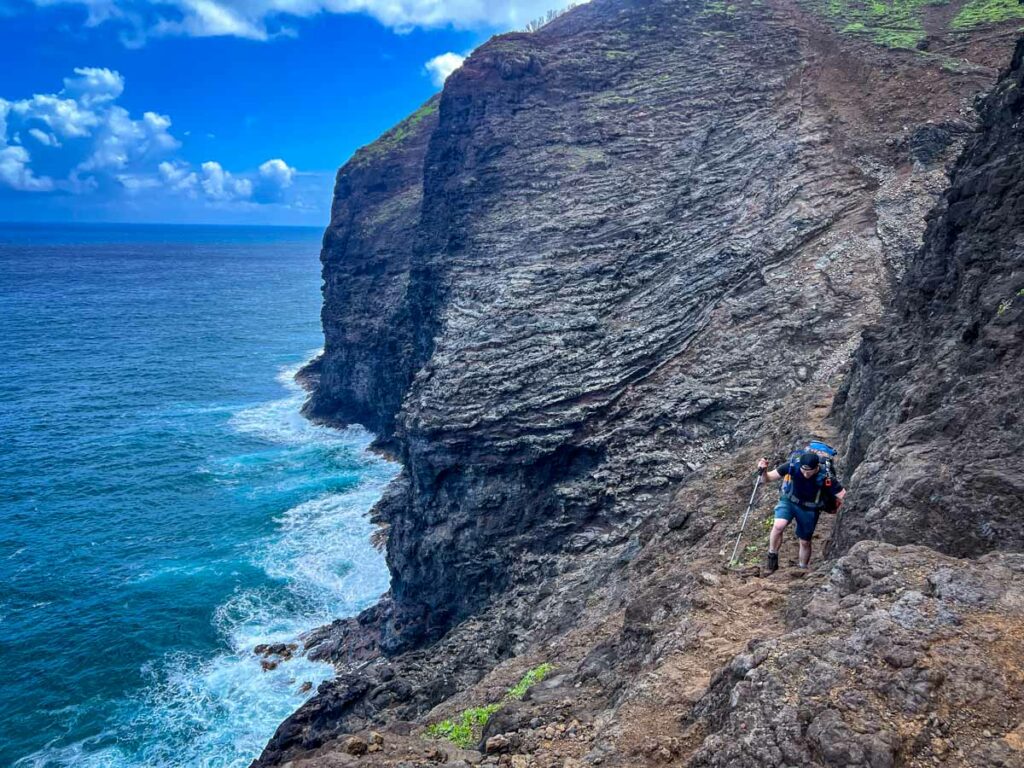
644 244
932 407
368 317
633 232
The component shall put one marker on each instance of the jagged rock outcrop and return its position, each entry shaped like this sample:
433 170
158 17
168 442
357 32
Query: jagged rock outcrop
644 245
896 660
932 407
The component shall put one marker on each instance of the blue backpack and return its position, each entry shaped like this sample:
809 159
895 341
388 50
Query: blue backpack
823 500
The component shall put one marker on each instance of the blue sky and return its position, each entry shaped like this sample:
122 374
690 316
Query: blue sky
213 111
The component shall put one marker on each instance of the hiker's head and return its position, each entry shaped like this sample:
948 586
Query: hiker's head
809 463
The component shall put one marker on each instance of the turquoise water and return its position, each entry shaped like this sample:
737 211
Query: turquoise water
164 506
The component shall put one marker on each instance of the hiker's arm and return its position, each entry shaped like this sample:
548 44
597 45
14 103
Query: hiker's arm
771 474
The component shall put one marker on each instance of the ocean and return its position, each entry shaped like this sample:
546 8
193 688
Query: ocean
163 505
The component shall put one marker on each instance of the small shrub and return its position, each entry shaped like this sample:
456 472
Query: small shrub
547 18
468 726
528 680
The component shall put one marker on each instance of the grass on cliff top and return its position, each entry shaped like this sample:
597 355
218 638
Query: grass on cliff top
899 23
980 12
894 24
465 729
392 138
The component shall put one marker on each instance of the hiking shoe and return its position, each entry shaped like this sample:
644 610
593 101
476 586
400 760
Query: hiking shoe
773 562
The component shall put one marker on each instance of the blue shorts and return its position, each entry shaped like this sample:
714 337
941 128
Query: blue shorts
806 519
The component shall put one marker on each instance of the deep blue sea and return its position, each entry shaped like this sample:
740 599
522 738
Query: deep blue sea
163 505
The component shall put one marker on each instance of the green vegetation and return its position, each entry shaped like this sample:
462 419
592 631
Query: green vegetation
980 12
892 23
464 730
1004 306
391 139
718 8
528 680
467 727
751 555
898 23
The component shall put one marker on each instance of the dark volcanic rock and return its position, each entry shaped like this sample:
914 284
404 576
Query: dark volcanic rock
932 408
620 250
366 255
625 226
894 662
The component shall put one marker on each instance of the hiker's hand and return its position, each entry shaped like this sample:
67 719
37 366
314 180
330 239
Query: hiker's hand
762 464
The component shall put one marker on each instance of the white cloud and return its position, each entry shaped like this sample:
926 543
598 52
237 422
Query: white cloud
178 178
278 172
206 18
15 173
44 138
221 186
94 85
264 19
65 117
82 142
120 141
136 183
441 66
14 161
275 176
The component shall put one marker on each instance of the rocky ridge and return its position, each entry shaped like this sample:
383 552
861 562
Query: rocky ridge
643 243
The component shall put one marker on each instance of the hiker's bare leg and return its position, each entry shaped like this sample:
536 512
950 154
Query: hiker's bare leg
775 537
805 552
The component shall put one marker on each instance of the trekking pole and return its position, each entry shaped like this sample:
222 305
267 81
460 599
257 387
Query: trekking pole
746 515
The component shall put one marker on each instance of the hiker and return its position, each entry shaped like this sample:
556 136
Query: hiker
805 493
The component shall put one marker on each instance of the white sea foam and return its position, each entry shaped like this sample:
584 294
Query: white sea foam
323 550
280 421
219 712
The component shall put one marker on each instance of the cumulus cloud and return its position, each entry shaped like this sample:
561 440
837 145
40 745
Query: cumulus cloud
441 66
275 176
14 161
15 173
179 178
263 19
93 86
221 186
80 141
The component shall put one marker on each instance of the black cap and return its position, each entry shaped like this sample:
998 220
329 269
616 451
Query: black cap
809 459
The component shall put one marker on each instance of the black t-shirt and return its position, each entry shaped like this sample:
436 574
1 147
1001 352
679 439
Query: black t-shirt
806 489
